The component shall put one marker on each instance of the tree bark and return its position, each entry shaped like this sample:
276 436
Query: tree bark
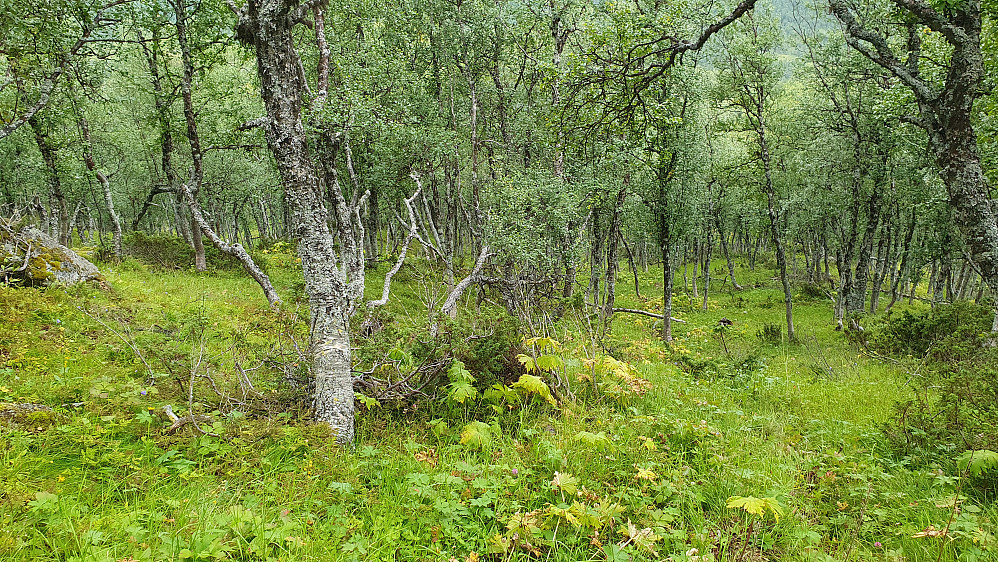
724 249
902 272
88 159
612 260
48 151
267 26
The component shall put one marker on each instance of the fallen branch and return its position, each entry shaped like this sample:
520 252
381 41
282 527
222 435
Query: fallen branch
179 422
646 313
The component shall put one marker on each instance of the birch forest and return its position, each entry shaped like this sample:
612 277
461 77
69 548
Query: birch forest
499 280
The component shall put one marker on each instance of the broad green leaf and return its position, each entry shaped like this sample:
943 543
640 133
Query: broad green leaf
460 391
366 400
756 506
978 462
458 372
543 343
527 362
477 434
565 482
593 439
531 384
548 362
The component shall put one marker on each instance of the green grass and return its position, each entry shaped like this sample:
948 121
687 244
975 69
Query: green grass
102 480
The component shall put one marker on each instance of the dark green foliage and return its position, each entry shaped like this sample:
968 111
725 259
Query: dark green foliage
914 333
487 344
811 291
956 389
771 333
165 252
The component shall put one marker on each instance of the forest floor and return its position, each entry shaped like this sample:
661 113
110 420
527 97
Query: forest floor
722 446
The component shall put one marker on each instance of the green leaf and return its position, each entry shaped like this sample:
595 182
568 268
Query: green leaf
593 439
548 362
460 391
477 434
978 462
404 358
565 482
458 372
44 501
530 384
527 362
756 506
366 400
499 393
543 343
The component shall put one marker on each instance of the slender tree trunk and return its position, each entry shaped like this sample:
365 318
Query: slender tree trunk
755 252
595 261
696 267
61 213
664 220
774 226
856 299
708 249
88 159
633 265
902 271
198 222
666 289
612 260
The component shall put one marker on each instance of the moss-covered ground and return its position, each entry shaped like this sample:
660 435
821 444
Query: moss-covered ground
618 470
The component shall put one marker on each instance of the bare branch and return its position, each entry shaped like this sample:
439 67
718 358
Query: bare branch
413 233
254 123
450 305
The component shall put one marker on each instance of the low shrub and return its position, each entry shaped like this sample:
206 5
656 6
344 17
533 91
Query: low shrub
956 392
166 252
771 333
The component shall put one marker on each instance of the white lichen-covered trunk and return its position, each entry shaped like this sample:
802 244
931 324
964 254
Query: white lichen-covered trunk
267 26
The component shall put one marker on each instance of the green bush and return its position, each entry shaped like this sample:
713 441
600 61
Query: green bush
914 333
811 292
163 251
956 391
771 333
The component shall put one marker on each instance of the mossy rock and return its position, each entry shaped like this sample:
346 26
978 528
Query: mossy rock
49 261
28 416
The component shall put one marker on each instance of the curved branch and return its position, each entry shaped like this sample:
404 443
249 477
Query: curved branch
413 233
874 46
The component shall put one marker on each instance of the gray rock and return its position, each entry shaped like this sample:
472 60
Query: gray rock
49 261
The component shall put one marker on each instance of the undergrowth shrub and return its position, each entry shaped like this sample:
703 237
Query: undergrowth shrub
809 291
167 252
771 333
956 393
486 343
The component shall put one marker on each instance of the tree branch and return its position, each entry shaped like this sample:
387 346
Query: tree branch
874 46
413 233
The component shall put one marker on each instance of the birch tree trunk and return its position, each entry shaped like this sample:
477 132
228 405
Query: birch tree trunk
88 159
188 190
267 25
61 213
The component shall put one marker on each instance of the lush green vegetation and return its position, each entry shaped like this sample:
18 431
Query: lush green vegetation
646 459
544 280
